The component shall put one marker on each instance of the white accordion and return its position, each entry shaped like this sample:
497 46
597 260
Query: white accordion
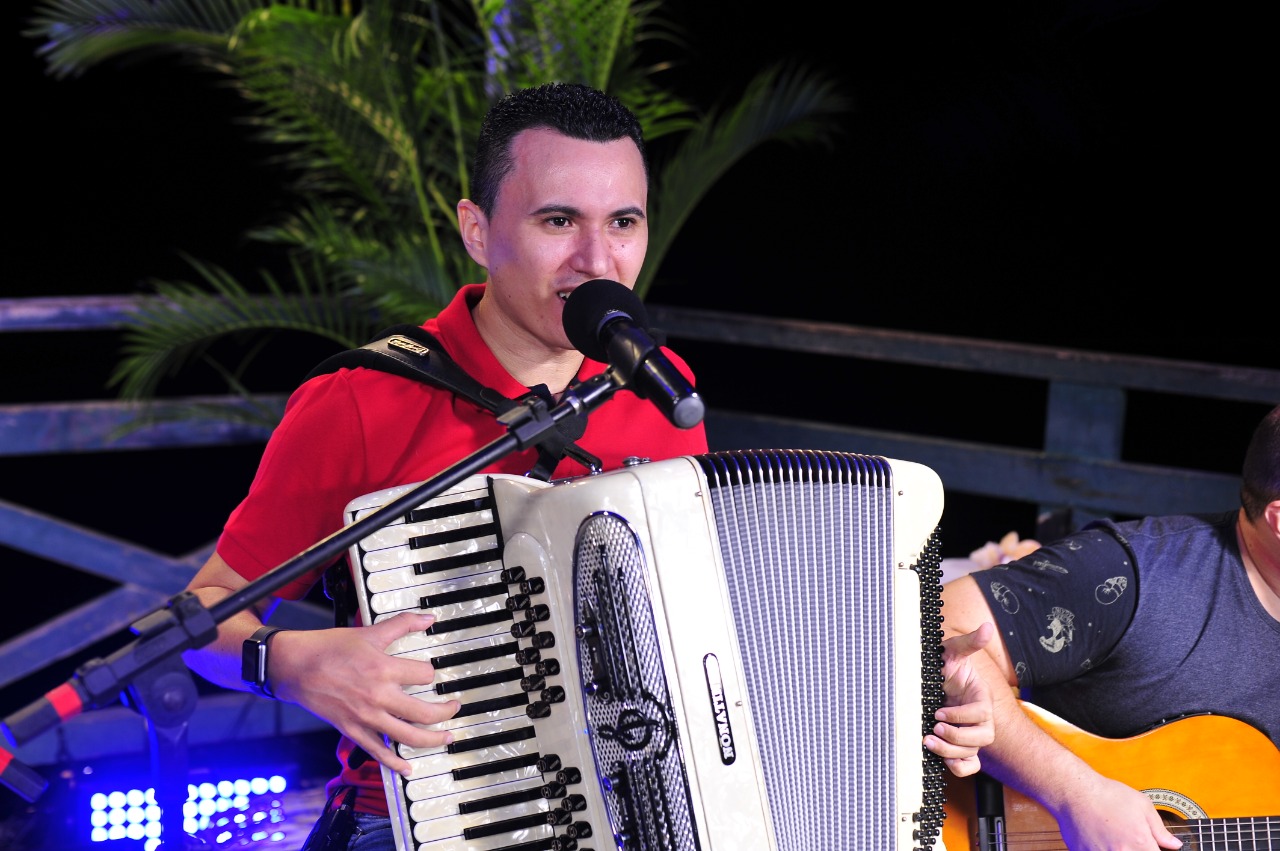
726 652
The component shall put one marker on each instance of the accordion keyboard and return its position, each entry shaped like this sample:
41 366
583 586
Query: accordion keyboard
502 782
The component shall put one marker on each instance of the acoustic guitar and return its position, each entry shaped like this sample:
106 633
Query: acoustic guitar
1215 781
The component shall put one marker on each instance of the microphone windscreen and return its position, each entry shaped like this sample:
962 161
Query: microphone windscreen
591 306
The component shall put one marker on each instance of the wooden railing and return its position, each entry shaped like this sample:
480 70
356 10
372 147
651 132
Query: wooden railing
1076 472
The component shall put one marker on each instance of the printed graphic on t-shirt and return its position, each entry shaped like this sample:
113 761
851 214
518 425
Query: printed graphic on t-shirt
1045 564
1061 629
1111 590
1004 595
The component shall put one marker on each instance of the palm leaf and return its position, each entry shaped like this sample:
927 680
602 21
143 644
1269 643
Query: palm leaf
180 325
80 34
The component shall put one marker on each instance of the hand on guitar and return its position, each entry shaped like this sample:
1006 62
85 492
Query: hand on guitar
1101 814
965 721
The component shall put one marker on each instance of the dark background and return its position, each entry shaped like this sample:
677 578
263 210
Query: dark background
1084 174
1089 175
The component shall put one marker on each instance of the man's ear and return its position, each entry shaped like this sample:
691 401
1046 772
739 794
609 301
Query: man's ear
473 227
1271 516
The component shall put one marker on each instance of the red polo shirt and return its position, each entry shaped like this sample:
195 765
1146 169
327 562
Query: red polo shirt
356 431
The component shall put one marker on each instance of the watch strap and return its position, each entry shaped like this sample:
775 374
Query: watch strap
253 660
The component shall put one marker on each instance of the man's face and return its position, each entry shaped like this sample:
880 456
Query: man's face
569 212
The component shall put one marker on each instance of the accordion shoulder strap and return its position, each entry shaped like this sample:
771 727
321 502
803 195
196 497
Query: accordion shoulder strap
412 352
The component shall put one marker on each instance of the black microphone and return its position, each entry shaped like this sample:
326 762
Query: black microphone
607 322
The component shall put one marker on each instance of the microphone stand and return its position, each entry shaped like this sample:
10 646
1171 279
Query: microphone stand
148 674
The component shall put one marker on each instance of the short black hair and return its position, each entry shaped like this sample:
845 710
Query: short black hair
576 110
1260 479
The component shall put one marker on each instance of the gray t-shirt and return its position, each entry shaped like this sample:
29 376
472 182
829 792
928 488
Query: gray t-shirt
1123 626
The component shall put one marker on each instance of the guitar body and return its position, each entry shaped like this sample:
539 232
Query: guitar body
1197 768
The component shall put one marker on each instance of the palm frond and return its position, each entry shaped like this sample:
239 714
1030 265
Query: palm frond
79 34
180 325
391 267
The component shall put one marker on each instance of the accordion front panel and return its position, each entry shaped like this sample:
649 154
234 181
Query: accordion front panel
731 651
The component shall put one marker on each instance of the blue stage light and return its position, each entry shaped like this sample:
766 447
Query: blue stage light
239 811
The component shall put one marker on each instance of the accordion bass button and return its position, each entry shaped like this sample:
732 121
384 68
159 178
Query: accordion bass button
528 656
547 667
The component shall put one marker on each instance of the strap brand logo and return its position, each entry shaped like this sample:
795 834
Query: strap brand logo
405 344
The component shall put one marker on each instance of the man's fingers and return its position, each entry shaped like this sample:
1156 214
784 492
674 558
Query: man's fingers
371 744
963 766
963 714
410 729
401 625
970 737
971 642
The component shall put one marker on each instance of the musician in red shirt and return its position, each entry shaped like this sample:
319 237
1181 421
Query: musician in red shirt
560 192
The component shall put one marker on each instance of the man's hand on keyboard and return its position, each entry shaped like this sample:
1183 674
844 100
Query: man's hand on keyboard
966 719
346 677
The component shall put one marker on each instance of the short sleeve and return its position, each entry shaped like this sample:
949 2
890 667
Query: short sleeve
1062 609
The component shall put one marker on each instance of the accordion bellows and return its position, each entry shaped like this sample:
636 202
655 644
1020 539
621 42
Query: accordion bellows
738 650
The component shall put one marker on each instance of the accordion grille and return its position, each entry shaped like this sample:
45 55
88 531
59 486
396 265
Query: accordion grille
807 540
635 728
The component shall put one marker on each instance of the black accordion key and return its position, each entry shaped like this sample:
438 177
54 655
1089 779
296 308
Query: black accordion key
495 767
475 743
479 680
493 704
469 621
495 651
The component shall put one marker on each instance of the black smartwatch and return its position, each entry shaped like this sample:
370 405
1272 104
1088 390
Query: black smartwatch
253 660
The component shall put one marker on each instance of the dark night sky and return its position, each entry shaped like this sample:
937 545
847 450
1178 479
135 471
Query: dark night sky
1075 173
1079 174
1071 173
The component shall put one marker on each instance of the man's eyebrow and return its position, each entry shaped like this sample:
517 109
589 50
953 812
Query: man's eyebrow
575 212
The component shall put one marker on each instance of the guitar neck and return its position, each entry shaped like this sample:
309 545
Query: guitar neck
1260 833
995 833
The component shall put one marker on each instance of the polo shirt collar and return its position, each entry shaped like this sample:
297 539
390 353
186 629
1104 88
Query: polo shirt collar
462 339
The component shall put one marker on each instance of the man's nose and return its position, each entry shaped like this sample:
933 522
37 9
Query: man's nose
591 255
